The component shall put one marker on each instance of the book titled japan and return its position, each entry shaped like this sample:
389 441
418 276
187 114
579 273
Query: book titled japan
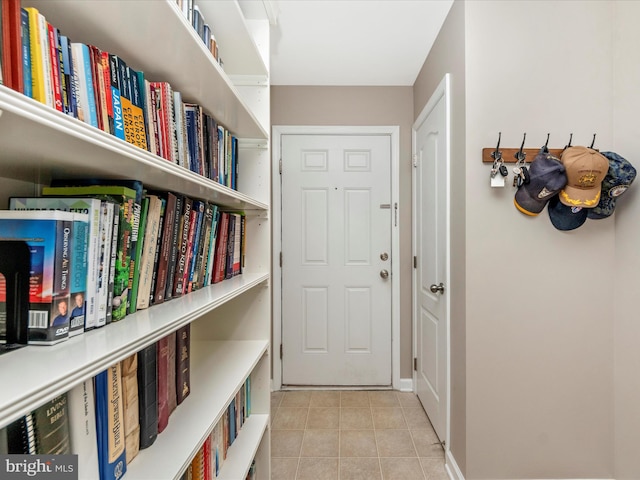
49 236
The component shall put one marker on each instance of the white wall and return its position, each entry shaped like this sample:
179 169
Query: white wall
539 324
626 279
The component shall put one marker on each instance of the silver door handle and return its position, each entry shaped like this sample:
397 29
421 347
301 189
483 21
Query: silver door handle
437 288
384 274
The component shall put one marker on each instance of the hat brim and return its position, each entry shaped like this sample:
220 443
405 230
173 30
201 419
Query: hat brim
563 218
578 197
527 204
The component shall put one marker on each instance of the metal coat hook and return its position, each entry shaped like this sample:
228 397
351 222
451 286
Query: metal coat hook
593 141
497 153
546 144
570 138
520 155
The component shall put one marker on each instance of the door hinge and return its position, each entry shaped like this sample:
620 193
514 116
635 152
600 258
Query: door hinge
415 262
415 160
415 364
280 166
280 351
280 259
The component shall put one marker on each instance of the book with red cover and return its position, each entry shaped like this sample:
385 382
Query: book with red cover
183 245
221 248
171 373
183 354
163 384
55 67
164 249
12 45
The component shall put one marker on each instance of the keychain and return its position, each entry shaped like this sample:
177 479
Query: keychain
498 167
521 171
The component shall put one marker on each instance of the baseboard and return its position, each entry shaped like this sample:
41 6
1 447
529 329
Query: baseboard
406 385
452 467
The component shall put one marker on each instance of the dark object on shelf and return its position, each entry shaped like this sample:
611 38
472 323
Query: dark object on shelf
15 262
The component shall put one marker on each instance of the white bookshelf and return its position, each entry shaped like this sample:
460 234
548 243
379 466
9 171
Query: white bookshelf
230 320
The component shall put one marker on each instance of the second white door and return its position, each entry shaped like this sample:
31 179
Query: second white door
336 270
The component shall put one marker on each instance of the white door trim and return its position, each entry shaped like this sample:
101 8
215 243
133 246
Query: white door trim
394 132
443 90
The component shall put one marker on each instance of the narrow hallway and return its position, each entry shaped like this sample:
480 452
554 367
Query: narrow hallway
352 435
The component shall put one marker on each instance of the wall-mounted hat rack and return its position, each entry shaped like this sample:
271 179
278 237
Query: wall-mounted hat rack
510 155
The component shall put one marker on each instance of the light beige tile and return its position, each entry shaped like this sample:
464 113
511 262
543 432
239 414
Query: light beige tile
325 399
358 443
276 398
395 443
416 418
408 399
325 417
354 399
427 443
384 399
401 469
360 469
320 443
318 469
296 399
284 468
288 418
388 417
434 468
355 418
286 443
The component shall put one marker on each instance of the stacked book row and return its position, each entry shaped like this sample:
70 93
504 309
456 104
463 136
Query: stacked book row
100 89
193 15
207 463
123 247
106 420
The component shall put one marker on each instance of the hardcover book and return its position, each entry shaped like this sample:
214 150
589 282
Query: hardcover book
163 383
51 427
168 237
183 365
171 373
182 248
49 235
148 395
86 92
148 250
90 207
82 427
109 424
129 369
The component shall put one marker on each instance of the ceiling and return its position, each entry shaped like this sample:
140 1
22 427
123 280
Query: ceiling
351 42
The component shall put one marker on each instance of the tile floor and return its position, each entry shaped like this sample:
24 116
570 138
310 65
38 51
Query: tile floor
352 435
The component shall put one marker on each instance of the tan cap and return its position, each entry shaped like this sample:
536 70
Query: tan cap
585 169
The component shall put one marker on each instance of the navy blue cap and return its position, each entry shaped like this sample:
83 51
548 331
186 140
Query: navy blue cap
547 178
564 217
618 179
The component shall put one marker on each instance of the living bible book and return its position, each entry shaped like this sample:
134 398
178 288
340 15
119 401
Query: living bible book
49 235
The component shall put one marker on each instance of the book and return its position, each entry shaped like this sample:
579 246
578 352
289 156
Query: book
135 269
109 424
183 359
156 260
54 65
109 223
51 427
231 235
116 101
91 208
151 119
37 70
12 44
200 266
137 107
5 60
25 38
129 370
183 248
64 79
49 235
172 397
86 93
125 197
149 248
174 245
221 248
82 429
164 256
163 383
99 88
208 274
197 216
148 394
71 80
107 94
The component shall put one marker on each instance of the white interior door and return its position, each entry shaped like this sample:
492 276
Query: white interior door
336 244
431 247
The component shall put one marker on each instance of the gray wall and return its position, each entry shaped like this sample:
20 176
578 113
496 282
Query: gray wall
447 56
300 105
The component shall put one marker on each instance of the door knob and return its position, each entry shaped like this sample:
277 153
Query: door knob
384 256
437 288
384 274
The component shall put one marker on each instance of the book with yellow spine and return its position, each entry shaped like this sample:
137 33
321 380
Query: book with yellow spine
37 71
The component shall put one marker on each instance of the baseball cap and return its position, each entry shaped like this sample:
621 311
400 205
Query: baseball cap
618 179
547 177
566 218
586 168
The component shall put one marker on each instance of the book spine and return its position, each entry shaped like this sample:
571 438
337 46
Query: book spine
118 121
82 427
196 217
86 82
185 223
190 126
55 67
113 260
154 110
178 108
37 74
175 244
148 250
194 265
62 280
78 277
171 373
46 60
125 99
129 370
51 427
183 360
163 386
64 87
148 395
109 424
11 9
158 248
167 101
228 268
70 77
221 248
107 94
215 216
165 249
25 38
198 280
123 264
95 63
149 118
137 110
134 273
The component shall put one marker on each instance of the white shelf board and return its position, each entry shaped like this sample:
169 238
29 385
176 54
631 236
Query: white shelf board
34 374
156 38
41 142
243 450
218 370
236 46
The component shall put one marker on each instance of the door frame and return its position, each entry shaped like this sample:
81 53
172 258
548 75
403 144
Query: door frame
276 211
442 90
